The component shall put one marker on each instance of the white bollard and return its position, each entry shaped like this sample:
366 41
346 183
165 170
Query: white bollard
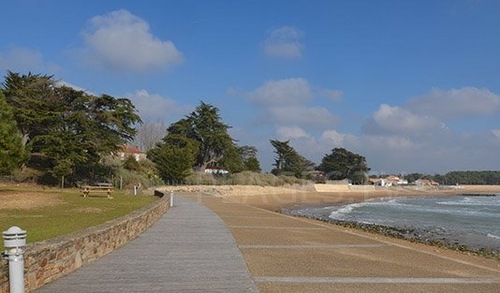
171 198
14 243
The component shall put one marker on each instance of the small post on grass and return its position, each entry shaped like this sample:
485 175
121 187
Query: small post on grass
14 242
171 198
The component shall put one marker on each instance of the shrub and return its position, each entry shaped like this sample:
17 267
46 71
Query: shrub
242 178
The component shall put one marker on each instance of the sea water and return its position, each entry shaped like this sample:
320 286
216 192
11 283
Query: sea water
470 221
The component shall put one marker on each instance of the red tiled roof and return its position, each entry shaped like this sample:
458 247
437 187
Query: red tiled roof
128 149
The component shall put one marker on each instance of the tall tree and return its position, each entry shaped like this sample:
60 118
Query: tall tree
65 129
211 133
288 161
204 125
201 135
30 96
174 157
12 152
343 164
249 156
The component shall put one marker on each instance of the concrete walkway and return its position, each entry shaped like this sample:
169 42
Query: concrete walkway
188 250
289 254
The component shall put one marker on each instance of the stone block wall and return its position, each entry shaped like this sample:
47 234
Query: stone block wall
48 260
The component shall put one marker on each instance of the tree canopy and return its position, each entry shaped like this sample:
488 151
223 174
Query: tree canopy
12 152
288 161
204 126
66 131
249 156
202 139
343 164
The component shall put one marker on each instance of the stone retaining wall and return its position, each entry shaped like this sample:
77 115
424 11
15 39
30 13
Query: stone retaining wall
48 260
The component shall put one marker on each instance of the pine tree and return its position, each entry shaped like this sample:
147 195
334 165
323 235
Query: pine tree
12 152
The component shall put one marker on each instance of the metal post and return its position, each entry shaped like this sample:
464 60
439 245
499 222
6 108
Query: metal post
171 198
14 243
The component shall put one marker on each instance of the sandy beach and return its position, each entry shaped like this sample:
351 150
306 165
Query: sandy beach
290 199
276 198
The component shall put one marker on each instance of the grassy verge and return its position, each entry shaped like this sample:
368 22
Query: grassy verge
46 214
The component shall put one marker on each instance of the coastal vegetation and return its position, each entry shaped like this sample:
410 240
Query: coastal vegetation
55 134
288 161
11 149
66 133
201 141
457 177
341 164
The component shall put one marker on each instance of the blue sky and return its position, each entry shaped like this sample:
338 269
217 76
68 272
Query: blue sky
414 86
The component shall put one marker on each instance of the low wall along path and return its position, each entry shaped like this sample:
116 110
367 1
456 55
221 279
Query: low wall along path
49 260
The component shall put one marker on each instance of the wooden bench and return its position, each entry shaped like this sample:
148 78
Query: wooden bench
88 189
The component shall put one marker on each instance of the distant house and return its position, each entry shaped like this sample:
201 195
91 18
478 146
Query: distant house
395 180
426 182
131 151
216 171
388 181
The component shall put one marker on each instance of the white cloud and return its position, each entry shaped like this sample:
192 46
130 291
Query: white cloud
336 139
290 91
286 102
154 107
453 103
285 133
19 59
391 144
75 87
399 119
496 133
283 42
302 115
395 138
334 95
120 40
391 119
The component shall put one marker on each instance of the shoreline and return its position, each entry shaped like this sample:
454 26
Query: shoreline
282 199
412 234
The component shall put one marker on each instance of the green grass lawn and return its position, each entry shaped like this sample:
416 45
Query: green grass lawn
47 213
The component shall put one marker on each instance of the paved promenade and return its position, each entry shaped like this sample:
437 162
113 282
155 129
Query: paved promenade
289 254
191 250
188 250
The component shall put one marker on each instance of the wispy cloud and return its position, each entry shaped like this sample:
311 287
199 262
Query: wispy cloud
20 59
284 42
121 41
333 95
396 120
288 91
153 107
288 103
291 132
467 101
